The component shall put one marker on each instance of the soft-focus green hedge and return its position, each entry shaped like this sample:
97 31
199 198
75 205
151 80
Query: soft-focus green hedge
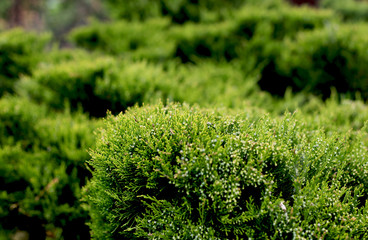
179 11
157 40
179 172
69 82
101 84
146 40
349 10
42 169
19 53
95 85
316 61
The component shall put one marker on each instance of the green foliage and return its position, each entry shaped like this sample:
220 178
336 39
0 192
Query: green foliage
69 83
42 170
155 39
4 7
140 40
212 40
180 172
324 58
233 168
213 84
180 11
56 56
19 53
282 21
104 84
350 10
95 85
250 31
17 121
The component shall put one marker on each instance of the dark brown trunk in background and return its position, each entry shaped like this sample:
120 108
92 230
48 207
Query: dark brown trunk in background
26 13
16 13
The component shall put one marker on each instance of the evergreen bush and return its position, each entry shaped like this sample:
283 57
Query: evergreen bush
68 84
17 121
225 39
106 84
247 32
180 11
42 170
316 61
178 172
213 84
147 40
19 53
96 85
349 10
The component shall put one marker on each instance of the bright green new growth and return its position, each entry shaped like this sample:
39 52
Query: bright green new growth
177 172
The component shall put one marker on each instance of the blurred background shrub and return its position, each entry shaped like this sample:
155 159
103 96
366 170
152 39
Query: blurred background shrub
349 10
20 51
42 168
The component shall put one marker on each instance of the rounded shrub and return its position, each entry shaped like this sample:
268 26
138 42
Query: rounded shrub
178 172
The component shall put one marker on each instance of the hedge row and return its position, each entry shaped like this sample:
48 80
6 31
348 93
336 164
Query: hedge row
177 172
42 170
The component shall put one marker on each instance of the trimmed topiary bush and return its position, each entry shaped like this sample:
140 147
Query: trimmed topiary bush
177 172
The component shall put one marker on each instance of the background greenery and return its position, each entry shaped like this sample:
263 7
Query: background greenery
183 119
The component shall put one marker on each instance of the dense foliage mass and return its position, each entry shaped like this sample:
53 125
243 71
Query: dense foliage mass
227 120
20 52
179 172
42 169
